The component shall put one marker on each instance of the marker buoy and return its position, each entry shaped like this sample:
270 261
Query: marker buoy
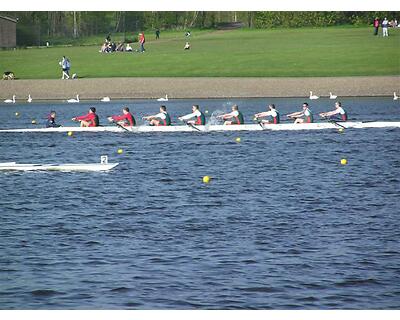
206 179
120 151
238 139
70 133
33 121
17 114
343 161
206 111
341 130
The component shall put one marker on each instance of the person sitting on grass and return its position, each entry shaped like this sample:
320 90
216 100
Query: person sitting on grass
187 46
128 48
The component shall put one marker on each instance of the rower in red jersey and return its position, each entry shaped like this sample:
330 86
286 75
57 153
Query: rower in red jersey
89 120
125 120
197 114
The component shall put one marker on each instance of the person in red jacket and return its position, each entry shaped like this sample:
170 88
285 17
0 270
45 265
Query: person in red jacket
126 119
142 40
376 26
89 120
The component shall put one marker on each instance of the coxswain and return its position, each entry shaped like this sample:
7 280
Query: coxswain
160 119
303 116
235 115
338 111
51 120
125 120
199 116
89 120
273 115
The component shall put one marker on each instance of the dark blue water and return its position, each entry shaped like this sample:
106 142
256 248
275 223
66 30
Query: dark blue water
282 225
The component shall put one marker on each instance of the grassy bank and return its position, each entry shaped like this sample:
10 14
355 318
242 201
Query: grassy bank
334 51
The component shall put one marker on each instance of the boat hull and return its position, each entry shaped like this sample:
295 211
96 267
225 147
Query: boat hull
215 128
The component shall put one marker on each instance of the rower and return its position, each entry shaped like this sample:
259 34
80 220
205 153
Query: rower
159 119
272 113
235 115
89 120
303 116
196 113
51 120
338 110
125 120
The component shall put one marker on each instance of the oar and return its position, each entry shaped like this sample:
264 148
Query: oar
191 125
334 122
119 126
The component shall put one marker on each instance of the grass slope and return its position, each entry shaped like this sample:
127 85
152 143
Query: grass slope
334 51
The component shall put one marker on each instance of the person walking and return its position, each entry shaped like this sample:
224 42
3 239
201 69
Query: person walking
65 66
376 26
385 24
157 34
142 40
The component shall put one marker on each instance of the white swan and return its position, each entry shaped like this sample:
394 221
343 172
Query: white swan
395 96
29 98
313 97
163 99
10 100
105 99
331 96
74 100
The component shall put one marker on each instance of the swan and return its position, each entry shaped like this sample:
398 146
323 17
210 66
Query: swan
313 97
395 96
9 100
105 99
74 100
163 99
331 96
29 98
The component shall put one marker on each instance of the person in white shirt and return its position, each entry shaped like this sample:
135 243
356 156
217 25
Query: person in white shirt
160 119
273 115
385 24
338 110
200 117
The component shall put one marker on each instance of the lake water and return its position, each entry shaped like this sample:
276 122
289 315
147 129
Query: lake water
282 225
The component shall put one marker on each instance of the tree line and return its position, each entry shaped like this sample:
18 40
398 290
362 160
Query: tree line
37 27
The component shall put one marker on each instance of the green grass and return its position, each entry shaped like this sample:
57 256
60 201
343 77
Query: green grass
334 51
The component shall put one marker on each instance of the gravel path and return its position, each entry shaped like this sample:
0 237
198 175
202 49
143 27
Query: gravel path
180 88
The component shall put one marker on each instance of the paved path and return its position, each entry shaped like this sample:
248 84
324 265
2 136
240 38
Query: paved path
140 88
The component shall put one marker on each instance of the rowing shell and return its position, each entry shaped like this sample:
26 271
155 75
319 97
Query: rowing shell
216 128
12 166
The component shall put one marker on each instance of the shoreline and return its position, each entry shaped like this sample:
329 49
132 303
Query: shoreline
199 88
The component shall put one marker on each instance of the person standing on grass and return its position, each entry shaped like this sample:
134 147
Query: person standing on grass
157 34
142 40
376 26
65 66
385 24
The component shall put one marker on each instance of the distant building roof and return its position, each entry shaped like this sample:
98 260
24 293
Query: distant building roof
9 19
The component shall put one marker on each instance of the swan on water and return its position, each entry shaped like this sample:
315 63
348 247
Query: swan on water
10 100
163 99
74 100
313 97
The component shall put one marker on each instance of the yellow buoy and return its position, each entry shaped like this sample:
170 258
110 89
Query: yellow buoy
255 119
33 121
120 151
17 114
341 130
206 179
343 161
206 111
238 139
70 133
